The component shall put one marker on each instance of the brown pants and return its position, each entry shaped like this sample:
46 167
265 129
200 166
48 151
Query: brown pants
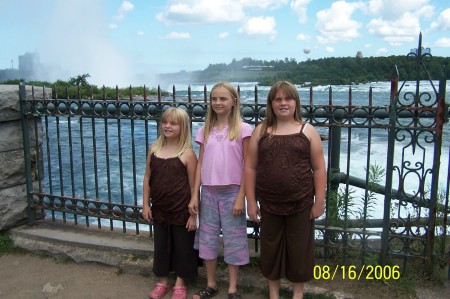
287 246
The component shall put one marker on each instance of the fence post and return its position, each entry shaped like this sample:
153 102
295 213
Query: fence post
384 251
26 150
442 117
434 193
335 152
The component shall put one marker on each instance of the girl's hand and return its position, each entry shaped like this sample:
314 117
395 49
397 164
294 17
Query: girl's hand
147 213
316 211
253 211
238 207
191 224
193 206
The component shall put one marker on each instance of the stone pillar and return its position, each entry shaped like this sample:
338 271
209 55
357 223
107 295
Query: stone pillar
13 196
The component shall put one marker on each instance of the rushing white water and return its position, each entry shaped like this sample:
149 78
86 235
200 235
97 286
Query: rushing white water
125 177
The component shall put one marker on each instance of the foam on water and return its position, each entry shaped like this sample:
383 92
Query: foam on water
358 141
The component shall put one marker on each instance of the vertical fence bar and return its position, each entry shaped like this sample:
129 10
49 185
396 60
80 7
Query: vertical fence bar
119 145
38 150
174 98
146 111
72 176
31 213
108 171
446 208
334 150
434 192
347 185
384 250
82 151
49 161
94 146
133 152
60 162
189 94
159 93
256 110
159 109
442 111
311 112
190 109
368 161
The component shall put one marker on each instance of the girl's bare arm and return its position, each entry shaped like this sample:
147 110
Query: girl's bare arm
251 162
191 165
239 203
194 204
146 211
319 172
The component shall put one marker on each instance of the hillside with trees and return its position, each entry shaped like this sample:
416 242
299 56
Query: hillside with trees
324 71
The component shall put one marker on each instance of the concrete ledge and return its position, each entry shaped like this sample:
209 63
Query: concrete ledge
130 252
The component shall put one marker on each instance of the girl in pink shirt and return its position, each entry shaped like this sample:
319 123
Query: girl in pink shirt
223 142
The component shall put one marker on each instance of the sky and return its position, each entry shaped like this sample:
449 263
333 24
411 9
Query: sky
130 42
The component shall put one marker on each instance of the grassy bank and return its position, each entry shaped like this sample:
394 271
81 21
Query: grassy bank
7 245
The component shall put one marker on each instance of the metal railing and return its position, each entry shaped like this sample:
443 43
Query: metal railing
88 158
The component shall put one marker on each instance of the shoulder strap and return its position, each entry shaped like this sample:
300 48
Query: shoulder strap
303 127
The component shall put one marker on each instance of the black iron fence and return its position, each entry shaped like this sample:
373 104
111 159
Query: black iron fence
388 165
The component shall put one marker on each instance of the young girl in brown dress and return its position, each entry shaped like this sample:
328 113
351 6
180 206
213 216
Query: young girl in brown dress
285 172
168 182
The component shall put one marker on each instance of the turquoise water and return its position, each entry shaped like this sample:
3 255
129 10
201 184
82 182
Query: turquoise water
128 187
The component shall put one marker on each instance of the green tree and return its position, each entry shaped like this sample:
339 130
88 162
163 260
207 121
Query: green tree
79 80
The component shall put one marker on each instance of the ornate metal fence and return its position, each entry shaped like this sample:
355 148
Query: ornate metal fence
389 201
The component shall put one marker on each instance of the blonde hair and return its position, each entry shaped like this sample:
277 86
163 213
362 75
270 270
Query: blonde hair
291 92
180 117
234 118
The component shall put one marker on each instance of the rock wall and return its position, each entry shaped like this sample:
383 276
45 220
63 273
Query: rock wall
13 196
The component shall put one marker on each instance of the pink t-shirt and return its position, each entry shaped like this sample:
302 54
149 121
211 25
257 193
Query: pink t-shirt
223 162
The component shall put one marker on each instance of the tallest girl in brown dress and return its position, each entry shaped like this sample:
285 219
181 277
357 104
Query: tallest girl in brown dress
285 172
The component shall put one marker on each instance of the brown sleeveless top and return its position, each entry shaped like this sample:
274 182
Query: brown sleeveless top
284 178
170 192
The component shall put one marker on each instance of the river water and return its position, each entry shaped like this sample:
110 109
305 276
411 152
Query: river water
119 175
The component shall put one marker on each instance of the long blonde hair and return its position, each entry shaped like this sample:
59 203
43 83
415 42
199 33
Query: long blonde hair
234 118
291 92
179 116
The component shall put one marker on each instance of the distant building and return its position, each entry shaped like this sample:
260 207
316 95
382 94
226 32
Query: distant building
28 65
359 54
